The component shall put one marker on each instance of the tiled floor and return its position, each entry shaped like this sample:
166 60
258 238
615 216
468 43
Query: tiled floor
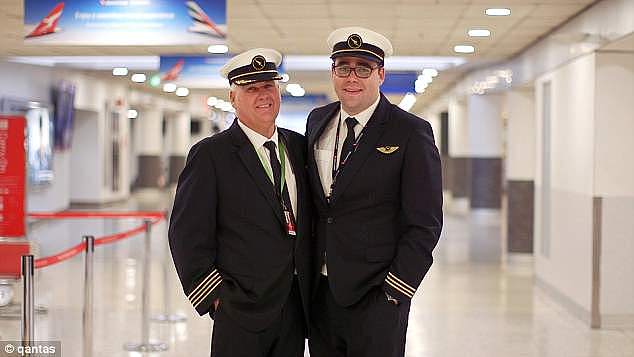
473 303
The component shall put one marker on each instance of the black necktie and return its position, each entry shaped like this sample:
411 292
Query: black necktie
277 176
348 144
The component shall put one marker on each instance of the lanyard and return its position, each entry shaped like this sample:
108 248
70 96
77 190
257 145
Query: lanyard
281 149
335 172
288 211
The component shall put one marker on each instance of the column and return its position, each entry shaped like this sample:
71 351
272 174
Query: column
613 198
519 170
178 141
485 151
458 155
150 142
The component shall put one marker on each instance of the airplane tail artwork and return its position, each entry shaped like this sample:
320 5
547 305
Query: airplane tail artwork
173 73
201 22
48 25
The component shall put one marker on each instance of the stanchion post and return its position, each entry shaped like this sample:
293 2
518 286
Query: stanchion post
167 315
145 345
88 295
28 303
145 293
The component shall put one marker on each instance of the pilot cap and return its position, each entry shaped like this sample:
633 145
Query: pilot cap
256 65
359 42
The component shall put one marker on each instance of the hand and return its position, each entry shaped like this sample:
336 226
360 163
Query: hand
391 300
216 303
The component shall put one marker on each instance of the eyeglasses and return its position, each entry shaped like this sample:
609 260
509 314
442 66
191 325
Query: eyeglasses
344 71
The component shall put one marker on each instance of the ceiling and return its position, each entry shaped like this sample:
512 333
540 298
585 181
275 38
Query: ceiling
300 27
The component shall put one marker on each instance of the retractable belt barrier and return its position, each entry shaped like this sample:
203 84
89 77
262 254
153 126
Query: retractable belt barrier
155 218
87 245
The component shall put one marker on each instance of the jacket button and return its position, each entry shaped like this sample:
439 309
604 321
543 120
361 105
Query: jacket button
329 220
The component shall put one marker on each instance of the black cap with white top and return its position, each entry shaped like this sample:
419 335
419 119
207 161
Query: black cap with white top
256 65
359 42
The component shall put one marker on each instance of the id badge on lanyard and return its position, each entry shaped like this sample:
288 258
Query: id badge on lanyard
290 223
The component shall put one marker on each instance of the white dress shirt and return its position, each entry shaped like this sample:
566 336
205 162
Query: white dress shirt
325 146
258 140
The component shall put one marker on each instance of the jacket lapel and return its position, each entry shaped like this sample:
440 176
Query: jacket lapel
373 131
252 163
312 141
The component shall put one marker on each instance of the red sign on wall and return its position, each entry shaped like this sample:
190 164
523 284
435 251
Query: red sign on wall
12 176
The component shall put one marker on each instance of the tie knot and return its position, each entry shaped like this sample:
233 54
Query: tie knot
351 122
270 145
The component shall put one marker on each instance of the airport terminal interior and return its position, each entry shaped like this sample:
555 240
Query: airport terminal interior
532 107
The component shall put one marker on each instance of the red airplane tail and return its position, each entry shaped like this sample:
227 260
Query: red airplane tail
48 25
173 73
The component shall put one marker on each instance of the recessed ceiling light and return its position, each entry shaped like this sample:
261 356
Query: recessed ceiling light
420 87
169 87
291 87
120 71
138 78
430 72
182 92
425 78
218 49
298 93
464 49
132 114
479 33
498 12
421 84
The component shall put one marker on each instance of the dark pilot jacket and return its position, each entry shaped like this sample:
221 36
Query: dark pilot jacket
384 217
227 234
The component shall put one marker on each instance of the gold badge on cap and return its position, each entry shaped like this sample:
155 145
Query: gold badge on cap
258 62
387 149
354 41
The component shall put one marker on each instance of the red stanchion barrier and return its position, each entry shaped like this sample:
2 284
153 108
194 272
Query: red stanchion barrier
119 236
71 252
60 257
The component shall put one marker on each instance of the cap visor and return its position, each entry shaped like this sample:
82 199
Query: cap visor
258 78
364 56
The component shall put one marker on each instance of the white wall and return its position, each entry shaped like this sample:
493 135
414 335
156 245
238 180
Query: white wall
95 99
568 267
434 121
458 128
485 125
614 183
86 173
520 134
149 125
178 133
614 173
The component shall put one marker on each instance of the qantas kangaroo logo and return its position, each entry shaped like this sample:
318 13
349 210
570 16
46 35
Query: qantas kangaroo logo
49 24
201 22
